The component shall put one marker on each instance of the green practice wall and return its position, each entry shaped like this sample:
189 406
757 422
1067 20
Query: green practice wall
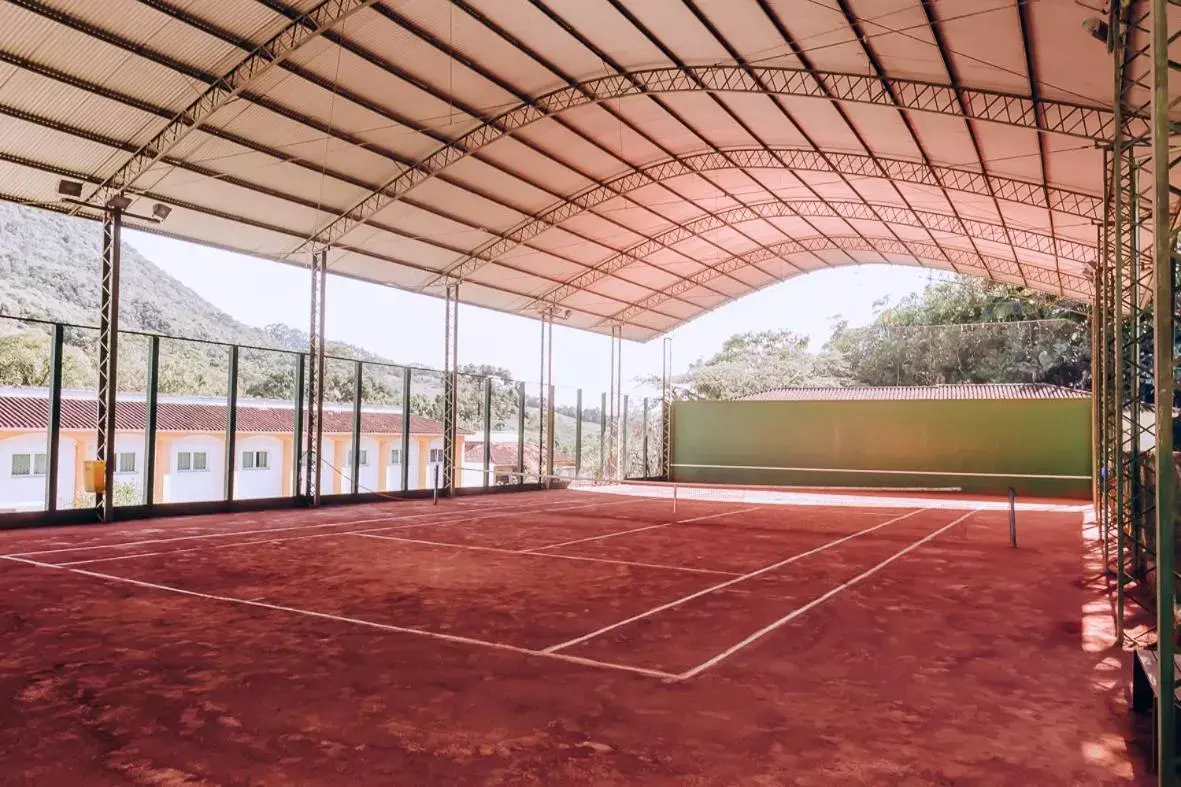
1040 437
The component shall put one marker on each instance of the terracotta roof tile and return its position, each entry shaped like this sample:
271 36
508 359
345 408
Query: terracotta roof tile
505 454
32 412
918 392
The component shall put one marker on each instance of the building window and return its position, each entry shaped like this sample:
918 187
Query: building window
395 456
436 454
126 462
191 461
29 464
255 460
364 458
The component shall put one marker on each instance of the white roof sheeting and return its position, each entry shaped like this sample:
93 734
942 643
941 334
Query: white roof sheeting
632 161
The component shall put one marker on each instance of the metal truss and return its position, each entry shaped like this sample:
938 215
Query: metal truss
1077 120
887 214
450 388
314 422
272 53
545 405
998 268
1136 341
108 356
1038 195
666 409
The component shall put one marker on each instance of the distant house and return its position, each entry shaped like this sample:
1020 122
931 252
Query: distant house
504 458
917 393
190 448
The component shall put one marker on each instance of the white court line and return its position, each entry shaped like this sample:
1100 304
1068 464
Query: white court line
499 550
730 651
638 529
345 523
461 521
728 583
651 673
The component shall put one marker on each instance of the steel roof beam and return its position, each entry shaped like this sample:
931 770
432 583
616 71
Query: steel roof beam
886 214
1042 279
1093 123
278 48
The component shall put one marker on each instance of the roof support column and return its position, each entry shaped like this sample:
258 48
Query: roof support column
666 410
313 466
1164 351
108 355
450 387
545 406
615 405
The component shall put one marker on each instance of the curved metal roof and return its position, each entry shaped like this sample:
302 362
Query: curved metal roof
631 162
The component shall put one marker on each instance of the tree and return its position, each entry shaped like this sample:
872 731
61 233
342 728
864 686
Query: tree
968 330
752 362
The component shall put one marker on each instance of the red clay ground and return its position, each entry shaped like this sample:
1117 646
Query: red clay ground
565 638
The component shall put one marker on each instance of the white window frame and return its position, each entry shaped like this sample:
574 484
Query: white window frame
395 456
364 458
436 452
119 455
33 457
192 461
254 460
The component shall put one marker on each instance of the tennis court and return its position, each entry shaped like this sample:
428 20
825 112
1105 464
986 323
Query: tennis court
573 636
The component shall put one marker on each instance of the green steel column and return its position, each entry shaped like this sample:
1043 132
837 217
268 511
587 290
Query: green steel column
624 459
53 446
151 406
231 421
644 439
521 433
405 455
578 434
297 426
487 432
358 395
1164 347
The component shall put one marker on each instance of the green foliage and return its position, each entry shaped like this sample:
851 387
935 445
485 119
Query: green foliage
753 362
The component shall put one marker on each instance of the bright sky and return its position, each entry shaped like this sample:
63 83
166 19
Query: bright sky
408 328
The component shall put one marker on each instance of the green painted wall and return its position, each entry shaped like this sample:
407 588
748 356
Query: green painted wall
1043 437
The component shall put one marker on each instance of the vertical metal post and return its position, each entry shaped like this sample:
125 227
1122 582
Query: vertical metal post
435 486
578 434
315 417
1164 349
151 406
297 425
405 455
624 457
666 410
108 356
450 386
550 438
487 432
644 439
54 424
358 395
231 421
521 433
603 437
1012 517
1118 471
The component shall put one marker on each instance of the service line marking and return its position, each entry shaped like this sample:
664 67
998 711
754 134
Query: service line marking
728 583
765 630
556 555
639 529
464 519
454 638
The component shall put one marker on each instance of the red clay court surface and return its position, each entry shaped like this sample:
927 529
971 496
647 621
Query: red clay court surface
567 637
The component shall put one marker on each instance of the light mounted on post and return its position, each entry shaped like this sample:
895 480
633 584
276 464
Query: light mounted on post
71 192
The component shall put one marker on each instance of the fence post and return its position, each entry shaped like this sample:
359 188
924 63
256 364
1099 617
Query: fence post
53 446
151 403
231 421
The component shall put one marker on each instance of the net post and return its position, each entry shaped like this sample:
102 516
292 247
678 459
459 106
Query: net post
674 498
435 487
1012 517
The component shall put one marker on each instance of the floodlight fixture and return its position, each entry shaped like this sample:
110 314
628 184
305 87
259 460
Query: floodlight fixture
1098 28
69 188
119 202
161 211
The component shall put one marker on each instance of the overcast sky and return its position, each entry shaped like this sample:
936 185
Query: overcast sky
409 328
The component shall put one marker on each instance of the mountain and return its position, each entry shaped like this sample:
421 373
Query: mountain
50 270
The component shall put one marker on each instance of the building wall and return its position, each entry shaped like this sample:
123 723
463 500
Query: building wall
260 482
1040 437
187 486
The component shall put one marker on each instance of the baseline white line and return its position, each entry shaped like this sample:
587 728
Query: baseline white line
818 601
728 583
205 536
638 529
499 550
455 638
